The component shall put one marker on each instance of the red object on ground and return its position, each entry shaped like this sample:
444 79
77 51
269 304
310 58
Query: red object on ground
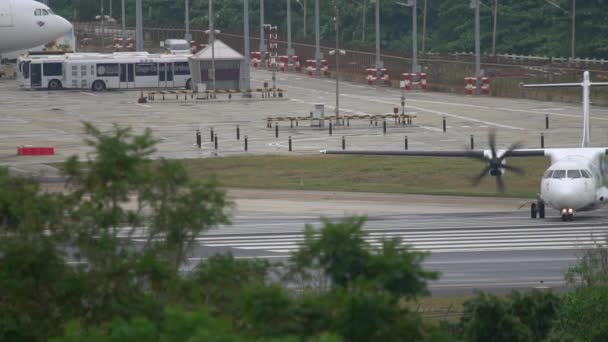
35 151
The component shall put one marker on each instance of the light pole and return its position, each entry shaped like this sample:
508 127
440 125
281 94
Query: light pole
494 30
211 32
139 30
413 5
573 28
187 21
262 45
424 27
290 51
246 68
573 13
103 38
337 52
318 54
124 19
475 5
304 6
379 64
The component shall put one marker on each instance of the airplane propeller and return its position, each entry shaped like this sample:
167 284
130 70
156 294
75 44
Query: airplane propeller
495 164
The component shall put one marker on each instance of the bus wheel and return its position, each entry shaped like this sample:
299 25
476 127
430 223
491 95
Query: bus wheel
99 86
54 85
189 84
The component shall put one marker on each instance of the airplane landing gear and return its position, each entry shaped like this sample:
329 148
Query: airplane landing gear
567 215
537 209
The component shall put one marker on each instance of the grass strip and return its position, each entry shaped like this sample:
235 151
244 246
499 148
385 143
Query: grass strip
411 175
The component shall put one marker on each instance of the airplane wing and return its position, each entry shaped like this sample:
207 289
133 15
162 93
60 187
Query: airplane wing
476 154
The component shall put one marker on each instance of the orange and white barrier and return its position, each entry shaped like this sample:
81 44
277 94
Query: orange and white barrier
118 44
472 84
415 79
374 75
256 58
311 67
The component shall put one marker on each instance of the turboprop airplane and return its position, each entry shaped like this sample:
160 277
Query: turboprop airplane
574 181
26 24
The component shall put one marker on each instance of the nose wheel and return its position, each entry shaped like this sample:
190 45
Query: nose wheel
537 210
567 217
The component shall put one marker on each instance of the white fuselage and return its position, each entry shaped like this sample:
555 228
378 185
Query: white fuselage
575 180
26 24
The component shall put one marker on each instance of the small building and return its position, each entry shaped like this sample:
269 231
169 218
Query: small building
229 66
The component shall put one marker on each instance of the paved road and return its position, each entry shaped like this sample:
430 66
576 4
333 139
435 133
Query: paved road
494 251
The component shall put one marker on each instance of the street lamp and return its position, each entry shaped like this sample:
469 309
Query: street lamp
412 4
337 52
212 32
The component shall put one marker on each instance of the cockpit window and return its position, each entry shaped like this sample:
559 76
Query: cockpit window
574 174
548 174
559 174
50 11
586 174
45 12
38 12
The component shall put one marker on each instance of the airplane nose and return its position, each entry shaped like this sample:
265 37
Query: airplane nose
570 196
65 25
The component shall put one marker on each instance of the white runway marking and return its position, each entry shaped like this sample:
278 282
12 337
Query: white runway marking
90 94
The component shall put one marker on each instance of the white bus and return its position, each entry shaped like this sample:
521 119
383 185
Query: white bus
122 70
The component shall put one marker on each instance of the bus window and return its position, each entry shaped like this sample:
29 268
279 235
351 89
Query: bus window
146 69
181 68
107 69
26 70
53 69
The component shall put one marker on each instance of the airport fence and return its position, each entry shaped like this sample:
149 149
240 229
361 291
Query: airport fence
446 72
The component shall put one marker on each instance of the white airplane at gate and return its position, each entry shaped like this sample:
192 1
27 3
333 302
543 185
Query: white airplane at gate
575 181
26 24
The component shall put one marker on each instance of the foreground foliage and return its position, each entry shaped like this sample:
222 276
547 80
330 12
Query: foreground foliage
105 261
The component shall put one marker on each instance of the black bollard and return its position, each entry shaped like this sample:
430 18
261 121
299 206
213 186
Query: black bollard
198 138
348 122
291 122
215 142
276 130
444 126
297 123
406 147
212 134
472 142
343 143
238 132
384 126
330 128
542 140
246 144
290 143
547 121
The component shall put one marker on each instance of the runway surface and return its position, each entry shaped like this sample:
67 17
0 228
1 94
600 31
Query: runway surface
494 251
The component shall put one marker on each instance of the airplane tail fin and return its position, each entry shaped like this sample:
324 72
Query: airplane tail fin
586 85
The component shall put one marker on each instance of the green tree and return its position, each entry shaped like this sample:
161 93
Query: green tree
488 318
583 315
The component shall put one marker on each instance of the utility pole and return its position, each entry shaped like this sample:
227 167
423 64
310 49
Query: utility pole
424 27
246 68
262 45
379 64
187 21
573 28
139 29
111 1
124 19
